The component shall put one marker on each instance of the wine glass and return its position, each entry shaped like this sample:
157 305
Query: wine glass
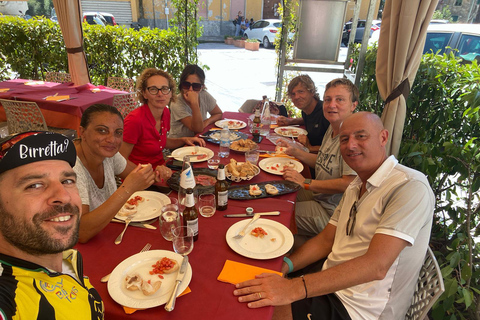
207 204
183 240
169 220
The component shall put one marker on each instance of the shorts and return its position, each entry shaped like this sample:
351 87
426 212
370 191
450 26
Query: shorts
326 307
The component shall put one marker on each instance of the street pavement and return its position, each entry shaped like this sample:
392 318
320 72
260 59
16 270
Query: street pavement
236 74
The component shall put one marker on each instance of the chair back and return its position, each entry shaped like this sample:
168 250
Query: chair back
59 77
429 288
124 84
125 102
23 116
248 105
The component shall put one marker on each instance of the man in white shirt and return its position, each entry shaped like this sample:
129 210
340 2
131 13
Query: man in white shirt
374 244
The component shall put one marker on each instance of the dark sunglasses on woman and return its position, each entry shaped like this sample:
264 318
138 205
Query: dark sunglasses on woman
195 86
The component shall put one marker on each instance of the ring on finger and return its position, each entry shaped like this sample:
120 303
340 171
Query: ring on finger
259 295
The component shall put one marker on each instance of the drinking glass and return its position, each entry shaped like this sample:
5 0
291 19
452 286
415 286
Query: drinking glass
169 220
252 156
213 162
207 205
183 240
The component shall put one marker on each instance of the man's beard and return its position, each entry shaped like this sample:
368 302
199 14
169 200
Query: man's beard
31 238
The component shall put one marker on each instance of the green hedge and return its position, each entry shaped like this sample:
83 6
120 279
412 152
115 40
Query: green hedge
33 47
441 139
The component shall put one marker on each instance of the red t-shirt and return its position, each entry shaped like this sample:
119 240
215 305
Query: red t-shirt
139 130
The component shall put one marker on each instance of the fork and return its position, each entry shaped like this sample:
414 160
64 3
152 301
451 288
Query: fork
241 234
120 236
146 248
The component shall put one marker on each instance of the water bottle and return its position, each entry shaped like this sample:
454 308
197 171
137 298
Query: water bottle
265 117
187 180
224 151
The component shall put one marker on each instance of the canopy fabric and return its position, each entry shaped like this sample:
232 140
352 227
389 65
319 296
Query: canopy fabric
69 14
400 47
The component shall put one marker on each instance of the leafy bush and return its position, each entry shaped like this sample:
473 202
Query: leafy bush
441 139
33 47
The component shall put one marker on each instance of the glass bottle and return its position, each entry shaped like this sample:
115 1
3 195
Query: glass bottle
187 180
221 189
224 150
190 214
265 117
256 126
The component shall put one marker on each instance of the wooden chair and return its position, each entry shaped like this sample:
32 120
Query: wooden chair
23 116
429 288
125 102
124 84
59 77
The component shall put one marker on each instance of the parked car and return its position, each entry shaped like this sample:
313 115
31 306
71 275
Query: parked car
265 31
463 39
109 18
347 28
94 18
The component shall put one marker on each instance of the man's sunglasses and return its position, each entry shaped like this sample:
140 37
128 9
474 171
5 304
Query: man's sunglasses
195 86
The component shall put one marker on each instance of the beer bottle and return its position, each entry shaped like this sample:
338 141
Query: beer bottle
221 189
257 124
190 214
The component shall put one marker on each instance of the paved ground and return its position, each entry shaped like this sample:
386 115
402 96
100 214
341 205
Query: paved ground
237 74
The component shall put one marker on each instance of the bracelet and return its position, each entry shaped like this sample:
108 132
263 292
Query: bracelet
125 189
289 264
305 286
306 186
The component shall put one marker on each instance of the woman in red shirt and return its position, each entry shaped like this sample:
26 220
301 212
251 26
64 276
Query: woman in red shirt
146 128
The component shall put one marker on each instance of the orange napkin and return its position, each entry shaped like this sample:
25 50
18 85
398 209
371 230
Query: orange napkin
132 310
274 155
236 272
95 90
4 89
34 83
56 98
273 126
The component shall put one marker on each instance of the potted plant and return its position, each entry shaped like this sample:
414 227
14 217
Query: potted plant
237 41
228 39
252 44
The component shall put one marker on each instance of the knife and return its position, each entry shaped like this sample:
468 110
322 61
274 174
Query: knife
137 224
180 275
242 215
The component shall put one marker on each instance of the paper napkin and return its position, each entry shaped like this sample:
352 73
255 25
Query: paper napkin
95 90
236 272
57 98
132 310
4 89
34 83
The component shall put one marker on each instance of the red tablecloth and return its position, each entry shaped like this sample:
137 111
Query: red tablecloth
210 298
64 114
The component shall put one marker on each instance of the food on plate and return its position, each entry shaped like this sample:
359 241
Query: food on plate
130 207
255 190
273 239
150 287
204 180
164 266
233 135
133 282
259 232
271 189
237 169
243 145
289 132
281 167
233 124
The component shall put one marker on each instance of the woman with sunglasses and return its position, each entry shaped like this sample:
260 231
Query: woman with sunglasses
189 112
146 128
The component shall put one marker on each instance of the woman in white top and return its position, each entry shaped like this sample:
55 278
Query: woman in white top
189 111
98 162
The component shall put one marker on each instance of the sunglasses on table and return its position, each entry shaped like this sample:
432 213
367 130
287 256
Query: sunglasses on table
154 90
195 86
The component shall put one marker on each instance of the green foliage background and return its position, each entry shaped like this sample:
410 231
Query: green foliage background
33 47
441 139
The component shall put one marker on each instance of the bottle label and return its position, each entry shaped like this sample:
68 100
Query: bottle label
221 174
187 179
222 198
189 200
194 225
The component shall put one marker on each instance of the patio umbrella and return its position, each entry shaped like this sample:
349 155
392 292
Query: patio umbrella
69 14
400 47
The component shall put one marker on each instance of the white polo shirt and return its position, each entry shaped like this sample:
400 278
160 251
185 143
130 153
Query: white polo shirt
399 202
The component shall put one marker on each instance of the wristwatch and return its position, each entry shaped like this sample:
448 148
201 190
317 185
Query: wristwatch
306 184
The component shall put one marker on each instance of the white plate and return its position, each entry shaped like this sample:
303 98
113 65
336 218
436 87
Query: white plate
278 162
148 209
260 248
290 131
142 263
232 124
179 153
231 177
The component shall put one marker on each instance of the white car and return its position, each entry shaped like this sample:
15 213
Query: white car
265 31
